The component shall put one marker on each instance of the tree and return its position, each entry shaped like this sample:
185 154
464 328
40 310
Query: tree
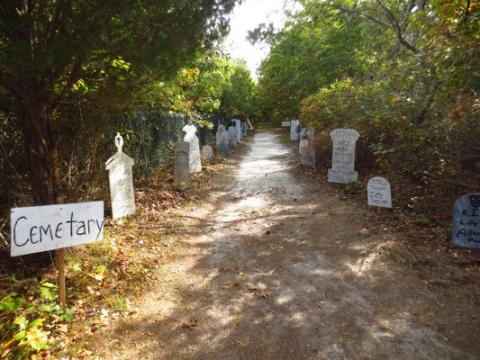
57 52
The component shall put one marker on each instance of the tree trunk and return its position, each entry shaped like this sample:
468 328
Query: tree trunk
42 151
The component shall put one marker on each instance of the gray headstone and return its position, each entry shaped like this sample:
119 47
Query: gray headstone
207 152
238 127
232 136
194 155
379 192
466 221
222 141
343 156
182 165
307 152
122 194
294 130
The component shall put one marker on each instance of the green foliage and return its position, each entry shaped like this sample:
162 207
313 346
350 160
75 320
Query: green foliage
353 187
23 324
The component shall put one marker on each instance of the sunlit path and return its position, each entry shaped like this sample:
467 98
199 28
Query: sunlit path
279 271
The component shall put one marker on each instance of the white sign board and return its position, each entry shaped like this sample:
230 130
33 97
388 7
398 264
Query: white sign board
44 228
286 124
379 192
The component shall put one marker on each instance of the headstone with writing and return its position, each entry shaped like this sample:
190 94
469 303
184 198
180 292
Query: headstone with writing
238 128
343 156
222 141
307 151
182 164
294 130
379 192
232 135
194 154
466 221
207 152
122 195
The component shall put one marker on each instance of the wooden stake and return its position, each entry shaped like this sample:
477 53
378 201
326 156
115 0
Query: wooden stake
61 276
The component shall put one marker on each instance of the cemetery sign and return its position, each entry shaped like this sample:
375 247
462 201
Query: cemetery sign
51 227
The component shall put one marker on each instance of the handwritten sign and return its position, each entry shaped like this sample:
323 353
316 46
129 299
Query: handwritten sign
466 221
379 192
44 228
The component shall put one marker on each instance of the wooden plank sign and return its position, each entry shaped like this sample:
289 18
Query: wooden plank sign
51 227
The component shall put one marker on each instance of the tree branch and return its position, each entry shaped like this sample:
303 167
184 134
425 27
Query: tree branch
396 27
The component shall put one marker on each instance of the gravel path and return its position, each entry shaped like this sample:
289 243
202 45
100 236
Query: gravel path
276 268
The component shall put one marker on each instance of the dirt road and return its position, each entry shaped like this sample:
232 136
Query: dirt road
273 267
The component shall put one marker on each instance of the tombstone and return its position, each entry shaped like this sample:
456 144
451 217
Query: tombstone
244 128
207 152
466 221
194 153
306 149
379 192
120 175
222 141
343 156
232 135
203 136
294 130
238 127
182 165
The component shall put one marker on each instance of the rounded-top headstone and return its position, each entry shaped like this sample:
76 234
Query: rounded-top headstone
466 221
207 152
379 192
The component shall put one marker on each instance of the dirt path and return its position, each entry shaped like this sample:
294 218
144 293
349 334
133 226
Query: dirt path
275 268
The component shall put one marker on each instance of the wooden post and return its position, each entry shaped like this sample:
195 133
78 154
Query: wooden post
61 277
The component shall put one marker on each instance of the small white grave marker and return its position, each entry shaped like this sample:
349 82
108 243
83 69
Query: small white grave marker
379 192
207 152
121 181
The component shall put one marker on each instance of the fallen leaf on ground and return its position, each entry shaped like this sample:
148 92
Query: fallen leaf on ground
190 325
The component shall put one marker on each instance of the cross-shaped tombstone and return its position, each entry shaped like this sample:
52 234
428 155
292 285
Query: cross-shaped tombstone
121 181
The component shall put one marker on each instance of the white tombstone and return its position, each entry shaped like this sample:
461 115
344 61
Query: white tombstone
207 152
194 155
238 127
182 165
294 130
379 192
232 136
222 141
121 181
343 156
306 149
